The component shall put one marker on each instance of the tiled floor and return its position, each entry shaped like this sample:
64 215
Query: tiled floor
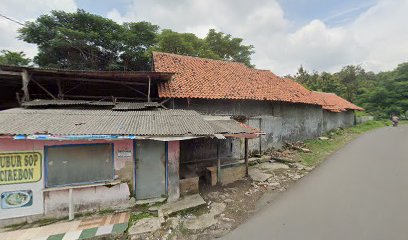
116 223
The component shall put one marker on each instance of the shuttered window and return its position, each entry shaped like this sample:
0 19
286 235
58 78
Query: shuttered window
78 164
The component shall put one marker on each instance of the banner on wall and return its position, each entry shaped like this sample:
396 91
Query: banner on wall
16 199
20 167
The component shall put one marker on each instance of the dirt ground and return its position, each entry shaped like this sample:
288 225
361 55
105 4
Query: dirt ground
241 199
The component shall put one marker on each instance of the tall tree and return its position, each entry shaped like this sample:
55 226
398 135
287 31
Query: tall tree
229 48
82 40
380 94
215 45
139 37
14 58
350 76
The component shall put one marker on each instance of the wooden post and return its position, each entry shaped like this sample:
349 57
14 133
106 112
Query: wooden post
26 81
246 157
260 139
218 163
60 92
148 90
44 89
18 99
71 205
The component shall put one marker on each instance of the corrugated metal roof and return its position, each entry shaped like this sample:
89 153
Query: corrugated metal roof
96 122
229 127
57 102
126 106
68 73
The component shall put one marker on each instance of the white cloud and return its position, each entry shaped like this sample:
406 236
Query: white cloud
377 39
382 32
22 11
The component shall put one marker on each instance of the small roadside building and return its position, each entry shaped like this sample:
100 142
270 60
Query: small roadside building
59 157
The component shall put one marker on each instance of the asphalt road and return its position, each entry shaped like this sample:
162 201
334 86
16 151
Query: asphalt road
360 192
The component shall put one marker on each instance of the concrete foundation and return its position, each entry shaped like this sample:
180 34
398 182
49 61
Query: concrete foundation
230 174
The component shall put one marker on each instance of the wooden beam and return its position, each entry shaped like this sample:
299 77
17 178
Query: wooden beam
134 89
73 88
44 89
25 82
10 73
104 97
95 81
163 102
148 91
218 163
246 158
60 92
18 98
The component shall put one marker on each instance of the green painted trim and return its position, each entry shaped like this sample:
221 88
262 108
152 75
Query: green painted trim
56 237
88 233
119 228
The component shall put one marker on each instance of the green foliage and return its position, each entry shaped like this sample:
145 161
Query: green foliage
229 48
14 58
77 40
216 45
320 149
380 94
82 40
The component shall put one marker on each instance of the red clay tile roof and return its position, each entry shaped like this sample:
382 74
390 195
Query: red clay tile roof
334 103
215 79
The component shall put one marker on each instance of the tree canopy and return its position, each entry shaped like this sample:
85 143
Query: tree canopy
14 58
380 94
82 40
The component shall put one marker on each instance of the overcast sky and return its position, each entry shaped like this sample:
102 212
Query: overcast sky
321 35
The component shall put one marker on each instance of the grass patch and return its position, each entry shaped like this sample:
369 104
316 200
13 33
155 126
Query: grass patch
134 217
16 226
321 149
47 221
106 211
362 113
196 211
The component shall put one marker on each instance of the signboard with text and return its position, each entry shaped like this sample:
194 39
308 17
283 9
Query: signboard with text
20 167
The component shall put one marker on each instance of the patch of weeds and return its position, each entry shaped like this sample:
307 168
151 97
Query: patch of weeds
155 205
361 128
141 208
320 149
196 211
106 211
47 221
134 217
84 214
183 230
16 226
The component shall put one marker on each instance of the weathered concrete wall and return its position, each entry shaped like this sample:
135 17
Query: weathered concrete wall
232 173
363 119
292 122
247 108
332 120
86 199
281 122
173 171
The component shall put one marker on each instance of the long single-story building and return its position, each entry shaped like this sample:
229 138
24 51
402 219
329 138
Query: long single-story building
59 157
283 109
96 139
